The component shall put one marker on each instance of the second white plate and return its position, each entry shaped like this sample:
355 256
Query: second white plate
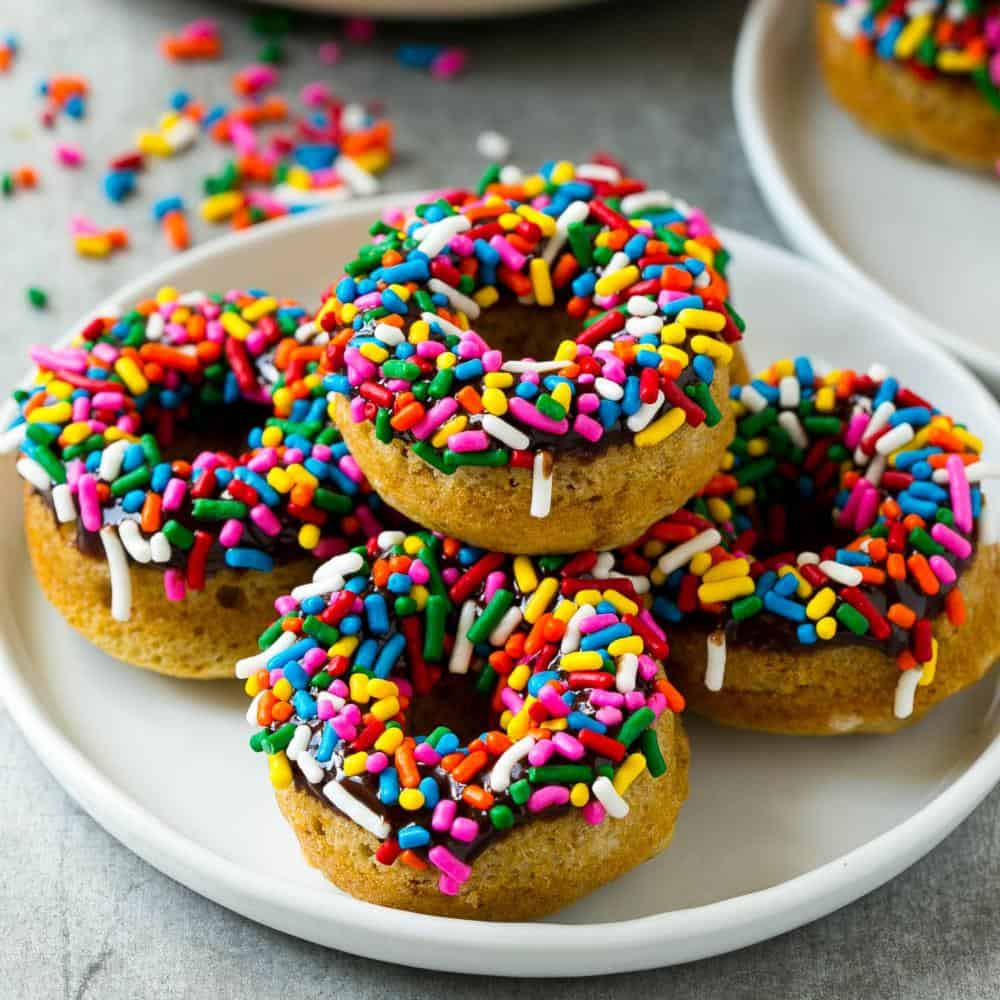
925 234
778 831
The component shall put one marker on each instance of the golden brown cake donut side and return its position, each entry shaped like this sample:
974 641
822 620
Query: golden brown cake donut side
531 871
940 117
197 638
833 690
598 502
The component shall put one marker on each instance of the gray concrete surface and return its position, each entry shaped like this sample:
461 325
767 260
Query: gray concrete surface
80 916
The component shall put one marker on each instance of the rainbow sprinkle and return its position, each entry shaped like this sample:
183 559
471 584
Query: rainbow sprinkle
94 429
561 651
642 274
934 37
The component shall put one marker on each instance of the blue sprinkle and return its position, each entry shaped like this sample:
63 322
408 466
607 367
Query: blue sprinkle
294 652
412 836
377 614
389 654
431 792
327 743
388 787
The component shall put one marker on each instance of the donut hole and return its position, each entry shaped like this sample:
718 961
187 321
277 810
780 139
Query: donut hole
214 428
454 703
784 521
520 331
231 598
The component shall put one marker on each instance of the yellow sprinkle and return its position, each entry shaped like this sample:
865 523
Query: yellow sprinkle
235 325
757 447
912 35
695 249
420 593
540 600
563 395
744 496
700 564
627 644
98 245
379 688
518 678
546 223
344 646
487 296
519 724
301 475
374 353
60 389
411 799
826 628
579 794
804 588
821 604
131 374
930 667
298 177
702 319
617 281
727 570
582 660
952 61
419 332
279 770
969 440
272 437
726 590
534 185
494 401
719 509
355 763
308 536
372 161
620 602
524 574
57 413
280 480
566 351
826 399
252 686
786 366
562 172
385 708
221 206
152 144
555 725
673 333
446 359
717 349
359 688
456 424
389 741
498 380
587 597
283 690
660 429
565 610
259 309
670 353
412 544
541 282
633 765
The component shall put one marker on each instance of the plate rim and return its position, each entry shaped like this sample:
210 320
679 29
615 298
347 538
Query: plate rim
761 25
628 945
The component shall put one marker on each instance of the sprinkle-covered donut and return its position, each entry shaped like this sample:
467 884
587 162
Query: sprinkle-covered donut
833 563
923 74
536 365
130 445
430 702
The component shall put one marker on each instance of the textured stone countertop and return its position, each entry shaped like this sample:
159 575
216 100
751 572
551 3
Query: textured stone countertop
80 915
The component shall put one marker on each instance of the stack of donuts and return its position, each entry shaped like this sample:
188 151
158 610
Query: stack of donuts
515 501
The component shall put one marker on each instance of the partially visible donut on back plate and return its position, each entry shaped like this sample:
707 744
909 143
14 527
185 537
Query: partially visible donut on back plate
540 364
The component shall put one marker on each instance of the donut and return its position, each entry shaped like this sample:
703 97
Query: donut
926 76
459 732
836 575
537 365
148 526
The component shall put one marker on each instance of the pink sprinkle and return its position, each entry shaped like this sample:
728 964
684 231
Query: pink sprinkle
173 495
540 753
602 699
942 569
514 259
511 700
446 862
419 573
447 886
437 415
961 501
90 507
609 716
316 94
286 604
549 697
588 428
203 27
173 585
568 746
369 522
443 815
847 515
465 829
547 797
634 700
465 441
80 225
69 154
376 762
528 414
426 754
951 540
69 359
313 660
329 53
108 401
593 812
856 429
264 518
231 533
867 511
449 63
596 622
325 709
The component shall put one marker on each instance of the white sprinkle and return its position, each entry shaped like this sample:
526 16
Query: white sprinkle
702 279
249 665
876 469
975 473
807 559
335 701
492 145
181 134
604 565
387 539
642 200
793 428
10 440
135 545
575 211
359 181
356 810
195 297
682 554
715 667
598 172
571 637
849 576
505 432
111 461
906 691
505 627
880 418
159 548
461 651
62 502
500 775
251 714
640 305
29 469
325 585
541 485
312 772
628 666
435 236
540 367
340 565
900 434
877 372
300 740
353 117
390 335
614 804
619 261
789 391
644 415
305 332
608 389
752 399
287 194
121 580
641 326
443 325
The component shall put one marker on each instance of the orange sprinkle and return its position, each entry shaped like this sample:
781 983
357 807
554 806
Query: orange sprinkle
921 571
477 797
901 615
954 606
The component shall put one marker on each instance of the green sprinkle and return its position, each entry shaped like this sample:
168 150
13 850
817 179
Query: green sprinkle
633 726
826 426
649 746
257 740
219 510
486 680
440 385
336 503
501 817
520 791
320 631
755 471
133 480
178 535
279 739
37 297
560 774
270 634
746 607
923 542
490 618
490 459
701 394
852 618
433 457
435 612
405 370
437 734
757 423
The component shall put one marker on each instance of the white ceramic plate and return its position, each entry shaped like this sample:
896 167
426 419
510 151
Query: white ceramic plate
778 831
924 234
443 9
